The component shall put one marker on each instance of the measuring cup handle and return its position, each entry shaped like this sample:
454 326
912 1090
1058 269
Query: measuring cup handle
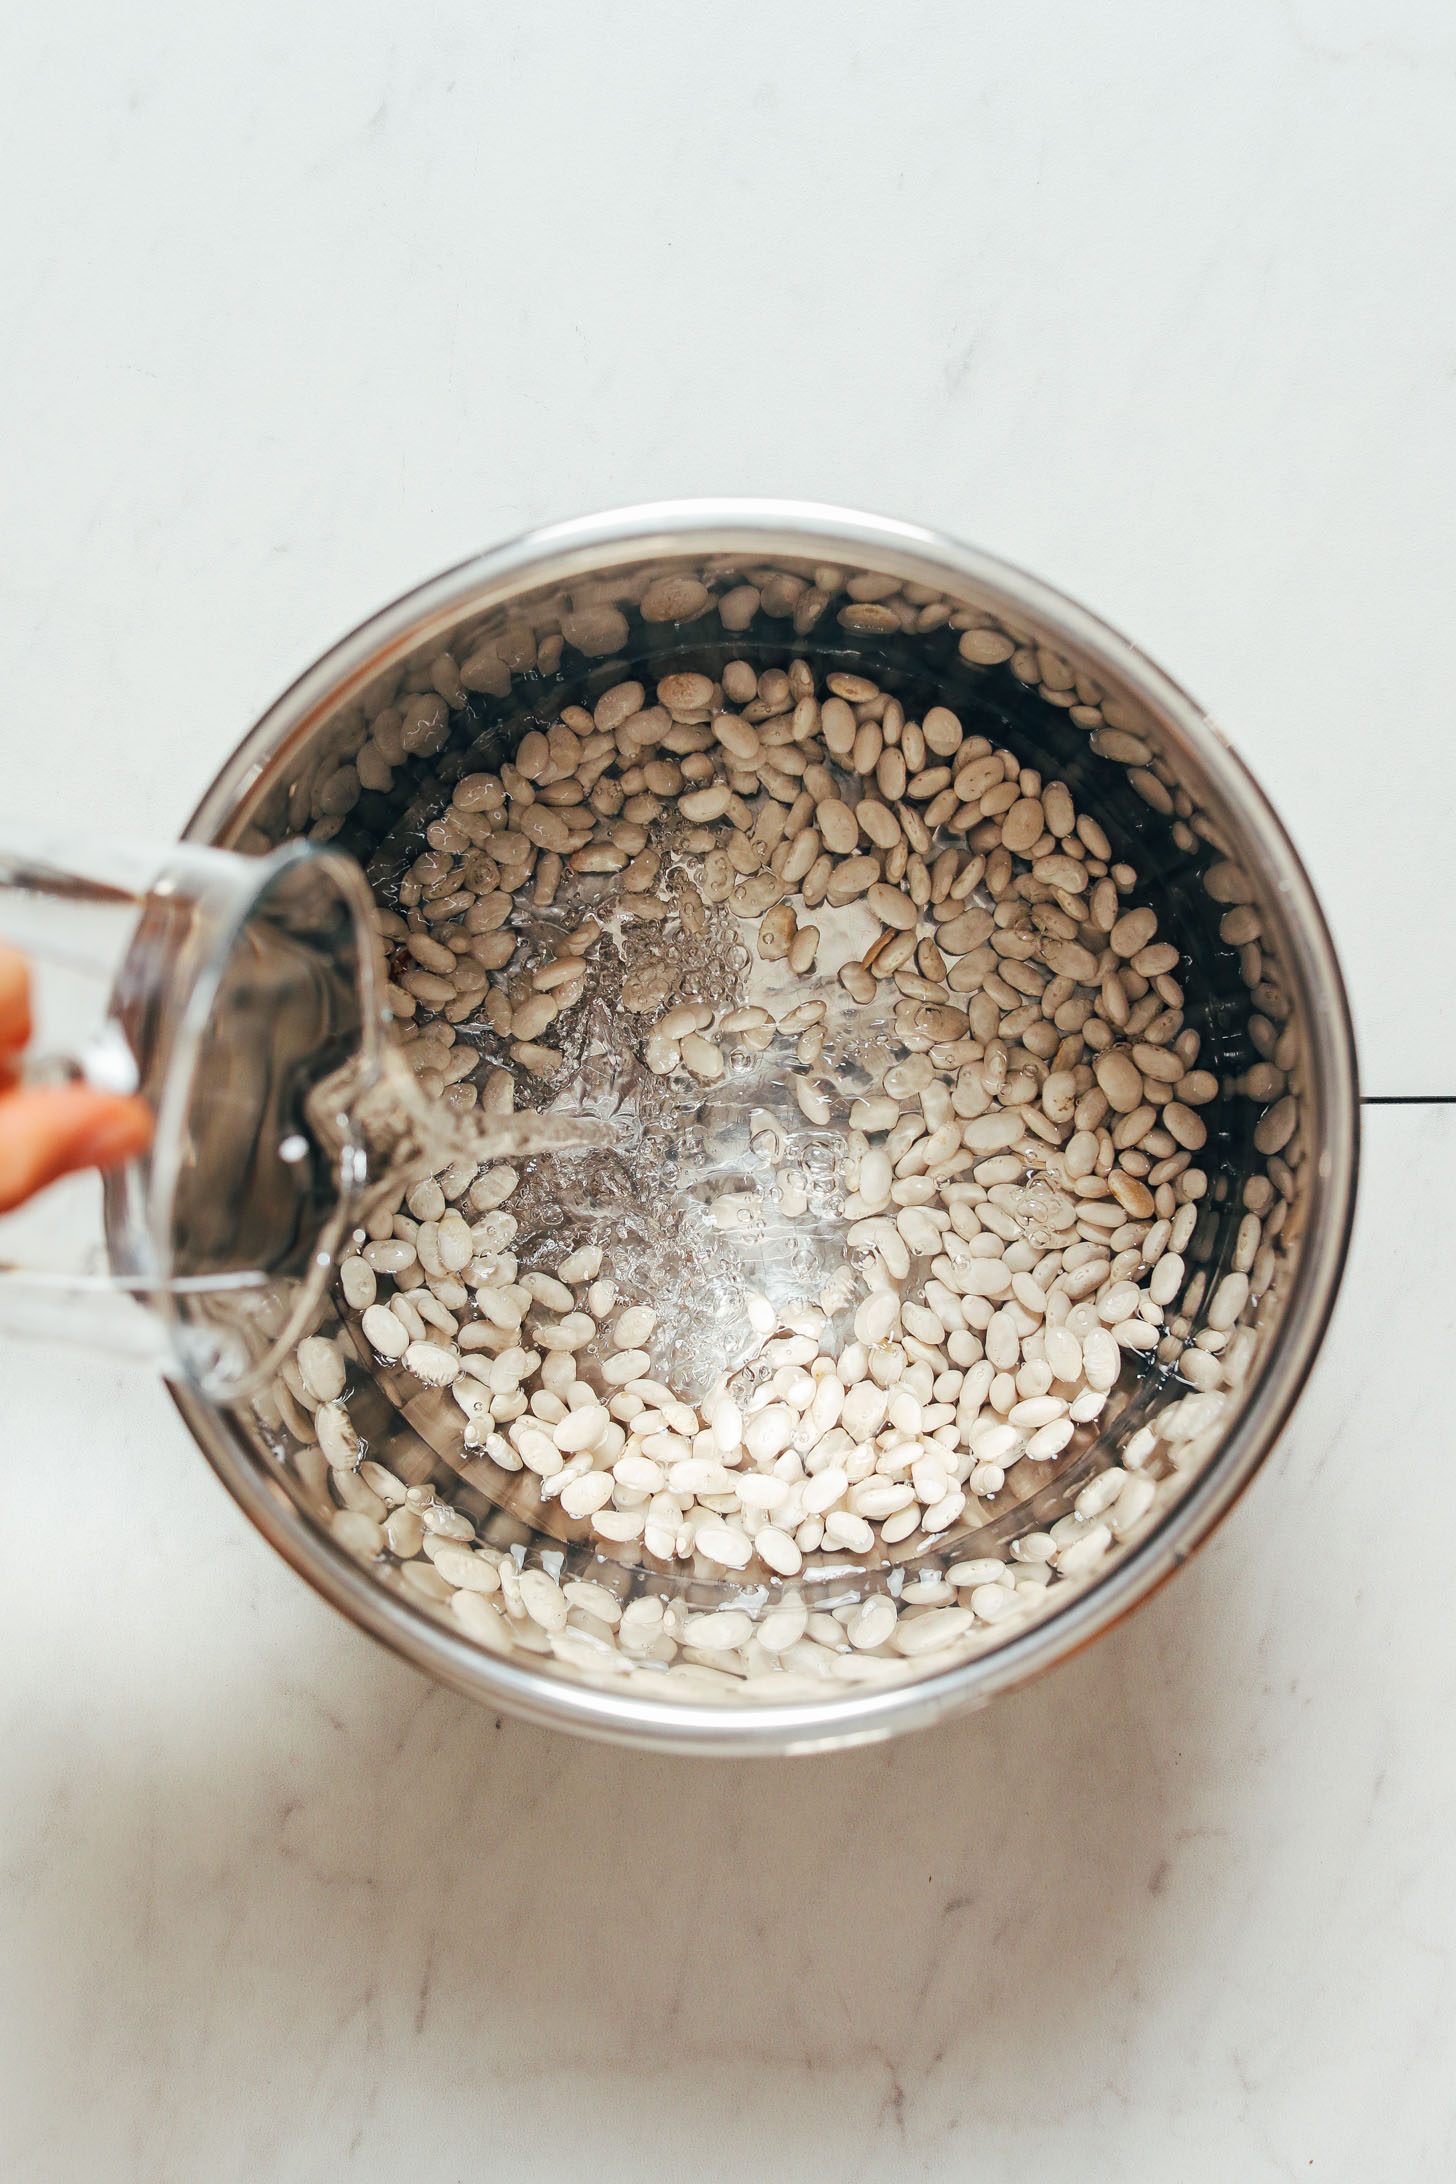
95 1313
43 1133
103 1311
74 923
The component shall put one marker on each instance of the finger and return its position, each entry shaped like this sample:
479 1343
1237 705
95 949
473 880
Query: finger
14 1002
49 1131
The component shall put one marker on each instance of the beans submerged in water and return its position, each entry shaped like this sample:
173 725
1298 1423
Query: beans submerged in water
1018 1188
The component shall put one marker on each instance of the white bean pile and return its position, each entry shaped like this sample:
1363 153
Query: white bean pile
1020 1189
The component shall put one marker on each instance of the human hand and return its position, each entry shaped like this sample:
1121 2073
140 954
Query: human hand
48 1130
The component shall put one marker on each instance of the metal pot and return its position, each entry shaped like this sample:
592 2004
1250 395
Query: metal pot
529 626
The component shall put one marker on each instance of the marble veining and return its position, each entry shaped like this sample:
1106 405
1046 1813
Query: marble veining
301 308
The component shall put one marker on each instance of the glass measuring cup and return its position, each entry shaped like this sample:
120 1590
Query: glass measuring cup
242 997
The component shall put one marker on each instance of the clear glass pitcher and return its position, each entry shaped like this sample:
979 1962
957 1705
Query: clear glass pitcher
242 997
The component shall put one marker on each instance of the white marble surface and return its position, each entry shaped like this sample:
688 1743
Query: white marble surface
303 303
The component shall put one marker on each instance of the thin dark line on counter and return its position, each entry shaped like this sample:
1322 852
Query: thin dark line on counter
1408 1099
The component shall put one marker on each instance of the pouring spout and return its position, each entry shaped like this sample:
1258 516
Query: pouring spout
386 1128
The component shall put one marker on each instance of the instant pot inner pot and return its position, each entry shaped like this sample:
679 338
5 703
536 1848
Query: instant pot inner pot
457 705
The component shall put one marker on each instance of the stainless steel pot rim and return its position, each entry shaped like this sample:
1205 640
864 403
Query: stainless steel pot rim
557 554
